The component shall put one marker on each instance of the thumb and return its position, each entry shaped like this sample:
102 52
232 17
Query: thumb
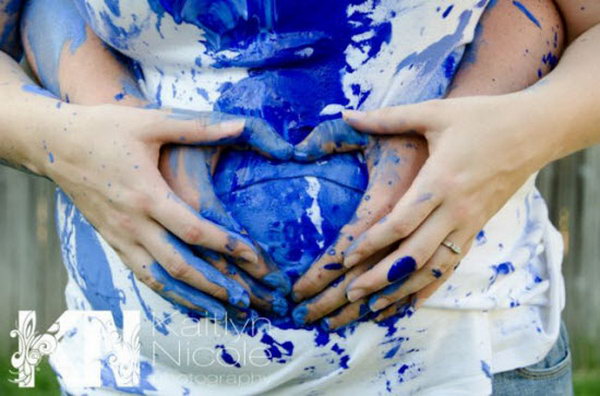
261 137
333 136
395 120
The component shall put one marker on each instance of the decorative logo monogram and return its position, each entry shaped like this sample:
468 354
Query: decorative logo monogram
105 350
32 347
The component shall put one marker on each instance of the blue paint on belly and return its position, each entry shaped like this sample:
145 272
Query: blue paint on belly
295 57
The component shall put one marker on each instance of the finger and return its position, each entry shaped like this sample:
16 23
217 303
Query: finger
402 308
436 270
422 295
329 300
349 313
260 296
410 211
223 129
180 262
186 170
412 254
332 136
417 117
193 229
396 165
183 296
260 136
192 127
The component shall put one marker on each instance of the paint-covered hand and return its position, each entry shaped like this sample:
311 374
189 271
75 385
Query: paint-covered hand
331 136
393 163
256 135
478 158
188 170
107 162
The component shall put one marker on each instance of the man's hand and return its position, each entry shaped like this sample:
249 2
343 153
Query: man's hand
107 162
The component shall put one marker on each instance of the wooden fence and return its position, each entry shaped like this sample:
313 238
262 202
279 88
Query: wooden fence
32 276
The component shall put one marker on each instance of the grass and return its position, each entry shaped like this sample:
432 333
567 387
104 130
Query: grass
45 382
586 383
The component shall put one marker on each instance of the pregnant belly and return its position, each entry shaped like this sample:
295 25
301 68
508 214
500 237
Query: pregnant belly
293 211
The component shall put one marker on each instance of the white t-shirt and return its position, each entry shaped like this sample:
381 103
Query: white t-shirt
499 311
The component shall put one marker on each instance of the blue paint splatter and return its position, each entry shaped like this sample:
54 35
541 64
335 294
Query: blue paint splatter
401 269
486 369
527 13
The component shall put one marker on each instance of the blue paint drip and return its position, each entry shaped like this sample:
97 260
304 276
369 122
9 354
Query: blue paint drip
447 11
227 357
485 367
501 270
481 239
527 13
333 266
277 351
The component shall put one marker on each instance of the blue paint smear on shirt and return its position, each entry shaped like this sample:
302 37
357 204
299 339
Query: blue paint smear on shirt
88 263
162 326
108 378
485 367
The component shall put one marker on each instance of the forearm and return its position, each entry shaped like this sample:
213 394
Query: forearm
501 60
563 110
30 123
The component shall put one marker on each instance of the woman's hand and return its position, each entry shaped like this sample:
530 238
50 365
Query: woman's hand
107 162
393 163
478 158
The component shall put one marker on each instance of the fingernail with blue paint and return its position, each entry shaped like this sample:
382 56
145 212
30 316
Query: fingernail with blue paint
299 315
279 281
280 304
401 268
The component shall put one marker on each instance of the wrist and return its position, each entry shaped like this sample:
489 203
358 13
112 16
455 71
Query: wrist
528 116
46 137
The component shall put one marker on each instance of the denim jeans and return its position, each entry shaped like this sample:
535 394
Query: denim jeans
551 376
